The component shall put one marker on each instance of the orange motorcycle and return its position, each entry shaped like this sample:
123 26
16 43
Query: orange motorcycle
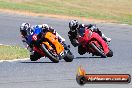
48 45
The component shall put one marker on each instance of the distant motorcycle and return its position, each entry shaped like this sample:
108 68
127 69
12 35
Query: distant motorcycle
93 43
47 45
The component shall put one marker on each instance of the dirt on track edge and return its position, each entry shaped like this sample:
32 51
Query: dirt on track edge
29 13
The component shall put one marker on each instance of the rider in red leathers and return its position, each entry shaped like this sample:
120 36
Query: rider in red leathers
73 34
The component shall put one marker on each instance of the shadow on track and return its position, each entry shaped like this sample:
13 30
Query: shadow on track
40 61
87 57
36 62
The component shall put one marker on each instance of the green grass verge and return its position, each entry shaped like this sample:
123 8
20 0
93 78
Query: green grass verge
118 11
12 52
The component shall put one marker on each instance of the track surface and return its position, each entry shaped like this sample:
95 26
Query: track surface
44 74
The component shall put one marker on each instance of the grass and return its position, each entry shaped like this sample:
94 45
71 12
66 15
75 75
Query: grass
116 11
12 52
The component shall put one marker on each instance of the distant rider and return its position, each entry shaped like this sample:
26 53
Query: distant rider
73 34
26 30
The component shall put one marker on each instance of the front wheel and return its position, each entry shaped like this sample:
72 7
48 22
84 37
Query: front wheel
50 55
99 50
69 56
110 54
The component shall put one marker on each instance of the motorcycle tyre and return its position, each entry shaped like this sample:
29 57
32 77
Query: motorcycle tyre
98 50
110 54
49 55
69 56
35 56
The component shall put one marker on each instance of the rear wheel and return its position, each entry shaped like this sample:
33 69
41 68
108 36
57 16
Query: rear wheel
81 50
54 58
69 56
99 50
35 56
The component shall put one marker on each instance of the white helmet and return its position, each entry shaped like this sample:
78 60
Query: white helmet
73 24
24 28
45 26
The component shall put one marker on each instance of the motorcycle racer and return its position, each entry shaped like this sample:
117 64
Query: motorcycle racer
27 30
46 28
73 34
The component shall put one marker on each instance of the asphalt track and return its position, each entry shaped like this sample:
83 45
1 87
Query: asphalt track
44 74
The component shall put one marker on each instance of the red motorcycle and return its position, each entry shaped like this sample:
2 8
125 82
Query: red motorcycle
93 43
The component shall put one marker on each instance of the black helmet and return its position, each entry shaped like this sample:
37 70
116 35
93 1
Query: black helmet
25 28
73 24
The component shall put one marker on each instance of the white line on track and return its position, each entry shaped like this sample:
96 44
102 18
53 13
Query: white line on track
4 45
14 60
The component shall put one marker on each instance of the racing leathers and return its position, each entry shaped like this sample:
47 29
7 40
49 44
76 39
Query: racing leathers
73 36
28 44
